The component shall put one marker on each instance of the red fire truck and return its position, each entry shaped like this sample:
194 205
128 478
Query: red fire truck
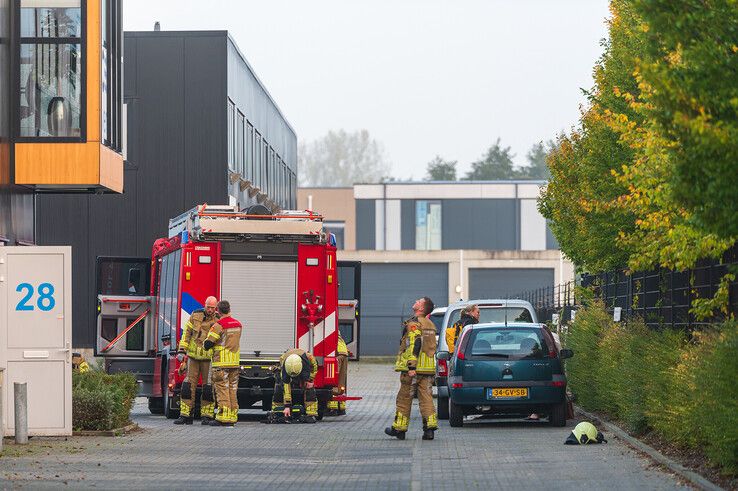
278 272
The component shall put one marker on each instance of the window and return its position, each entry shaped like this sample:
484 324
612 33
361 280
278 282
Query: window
347 331
240 165
427 225
496 314
111 100
120 276
168 310
507 343
51 69
264 166
250 171
231 135
337 229
257 160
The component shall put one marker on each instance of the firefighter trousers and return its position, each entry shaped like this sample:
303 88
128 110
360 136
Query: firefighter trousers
425 401
225 381
195 369
310 397
342 378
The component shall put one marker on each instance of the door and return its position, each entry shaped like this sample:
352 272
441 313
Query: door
388 292
125 319
36 335
349 301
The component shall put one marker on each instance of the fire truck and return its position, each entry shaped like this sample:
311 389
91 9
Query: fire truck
278 272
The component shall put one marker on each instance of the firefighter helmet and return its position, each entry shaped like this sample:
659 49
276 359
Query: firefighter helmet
584 433
293 365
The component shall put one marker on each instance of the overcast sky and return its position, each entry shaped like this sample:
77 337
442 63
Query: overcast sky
425 77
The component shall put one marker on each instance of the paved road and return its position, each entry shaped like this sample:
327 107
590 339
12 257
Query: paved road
350 452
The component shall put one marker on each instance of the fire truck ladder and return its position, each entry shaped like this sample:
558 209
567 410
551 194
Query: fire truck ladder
206 222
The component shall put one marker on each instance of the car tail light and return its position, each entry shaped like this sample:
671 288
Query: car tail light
460 355
559 383
457 385
442 368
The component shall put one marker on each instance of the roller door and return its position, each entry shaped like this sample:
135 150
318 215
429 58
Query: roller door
507 282
388 291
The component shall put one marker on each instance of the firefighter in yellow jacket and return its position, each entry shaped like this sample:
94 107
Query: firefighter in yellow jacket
338 408
416 361
297 370
198 364
225 340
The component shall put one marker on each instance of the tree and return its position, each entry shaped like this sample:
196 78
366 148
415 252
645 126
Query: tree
441 170
537 167
496 164
342 159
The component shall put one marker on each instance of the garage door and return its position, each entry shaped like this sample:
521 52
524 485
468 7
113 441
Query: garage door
507 282
388 291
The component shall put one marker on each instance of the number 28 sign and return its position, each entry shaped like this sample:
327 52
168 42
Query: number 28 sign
40 297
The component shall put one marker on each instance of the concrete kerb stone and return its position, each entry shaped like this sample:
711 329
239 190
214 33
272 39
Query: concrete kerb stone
654 454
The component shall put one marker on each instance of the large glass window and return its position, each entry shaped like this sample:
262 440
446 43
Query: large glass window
337 229
257 159
111 75
240 123
51 69
250 153
231 135
428 225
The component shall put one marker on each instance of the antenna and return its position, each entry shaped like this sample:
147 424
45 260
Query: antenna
506 295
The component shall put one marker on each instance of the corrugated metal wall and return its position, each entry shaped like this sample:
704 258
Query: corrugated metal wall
503 282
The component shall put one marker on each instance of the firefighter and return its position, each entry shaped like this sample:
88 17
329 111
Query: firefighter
297 370
338 408
416 361
470 315
225 340
198 364
79 363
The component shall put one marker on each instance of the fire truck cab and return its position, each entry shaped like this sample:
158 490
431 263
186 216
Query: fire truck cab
278 272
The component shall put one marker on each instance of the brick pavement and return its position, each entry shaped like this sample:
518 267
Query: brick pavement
347 452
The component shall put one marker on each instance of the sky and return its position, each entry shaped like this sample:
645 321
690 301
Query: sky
424 77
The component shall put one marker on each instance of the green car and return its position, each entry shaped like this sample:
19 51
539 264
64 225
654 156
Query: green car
507 369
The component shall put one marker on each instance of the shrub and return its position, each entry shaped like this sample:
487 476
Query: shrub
658 380
101 401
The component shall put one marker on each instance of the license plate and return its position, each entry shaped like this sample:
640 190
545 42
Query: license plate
507 393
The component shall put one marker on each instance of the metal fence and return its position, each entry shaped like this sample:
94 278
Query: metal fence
661 297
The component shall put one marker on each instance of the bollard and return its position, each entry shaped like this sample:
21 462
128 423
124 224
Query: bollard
21 413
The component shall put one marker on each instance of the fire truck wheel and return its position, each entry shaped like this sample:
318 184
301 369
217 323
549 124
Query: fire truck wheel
156 405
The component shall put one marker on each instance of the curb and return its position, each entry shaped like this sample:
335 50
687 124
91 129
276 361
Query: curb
662 459
114 432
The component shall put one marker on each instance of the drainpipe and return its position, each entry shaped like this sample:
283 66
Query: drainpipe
461 273
310 202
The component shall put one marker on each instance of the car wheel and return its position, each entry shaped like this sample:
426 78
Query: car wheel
156 405
557 414
455 415
443 408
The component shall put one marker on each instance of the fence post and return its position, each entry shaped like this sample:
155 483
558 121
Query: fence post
20 391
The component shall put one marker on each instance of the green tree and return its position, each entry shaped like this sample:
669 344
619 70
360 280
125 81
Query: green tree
342 159
536 157
441 170
496 163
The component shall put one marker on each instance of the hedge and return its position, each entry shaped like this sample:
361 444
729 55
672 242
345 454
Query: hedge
681 387
101 401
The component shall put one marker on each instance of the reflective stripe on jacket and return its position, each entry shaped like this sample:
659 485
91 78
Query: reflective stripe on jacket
226 334
418 347
194 334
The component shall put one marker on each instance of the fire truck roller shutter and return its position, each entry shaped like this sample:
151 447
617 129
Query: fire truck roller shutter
387 294
262 296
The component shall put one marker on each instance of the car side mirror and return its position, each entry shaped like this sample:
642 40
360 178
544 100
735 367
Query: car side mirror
566 353
443 355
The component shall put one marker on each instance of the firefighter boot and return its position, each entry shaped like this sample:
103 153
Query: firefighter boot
428 434
308 419
183 420
400 435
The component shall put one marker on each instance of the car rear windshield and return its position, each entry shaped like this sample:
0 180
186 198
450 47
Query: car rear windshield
496 314
515 343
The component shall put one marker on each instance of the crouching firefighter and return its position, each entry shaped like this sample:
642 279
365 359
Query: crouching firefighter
416 361
297 370
198 364
225 339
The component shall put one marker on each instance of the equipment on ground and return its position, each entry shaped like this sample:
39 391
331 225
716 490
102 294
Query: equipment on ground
585 433
279 273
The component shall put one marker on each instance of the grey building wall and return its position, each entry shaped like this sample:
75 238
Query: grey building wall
16 202
507 282
176 93
478 224
388 292
365 224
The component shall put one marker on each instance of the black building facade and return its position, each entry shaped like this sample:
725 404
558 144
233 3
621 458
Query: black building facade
201 128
